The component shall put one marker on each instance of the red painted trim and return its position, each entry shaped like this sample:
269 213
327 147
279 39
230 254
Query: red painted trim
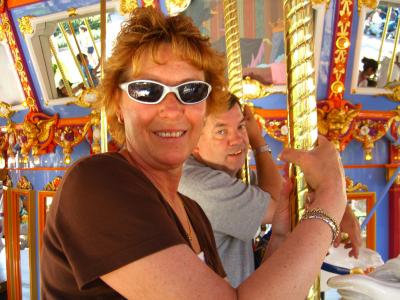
249 15
16 3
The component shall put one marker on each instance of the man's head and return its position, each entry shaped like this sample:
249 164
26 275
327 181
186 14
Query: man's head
223 143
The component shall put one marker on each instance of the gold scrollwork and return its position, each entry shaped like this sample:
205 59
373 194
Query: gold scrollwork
24 184
335 123
147 3
25 25
86 98
372 4
72 11
53 185
127 6
5 110
253 89
358 187
2 33
395 93
68 137
368 132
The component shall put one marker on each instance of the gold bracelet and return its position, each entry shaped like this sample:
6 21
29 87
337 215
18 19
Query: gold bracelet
318 213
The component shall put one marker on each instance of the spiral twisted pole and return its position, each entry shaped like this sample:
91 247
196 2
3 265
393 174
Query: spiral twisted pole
233 54
301 99
234 60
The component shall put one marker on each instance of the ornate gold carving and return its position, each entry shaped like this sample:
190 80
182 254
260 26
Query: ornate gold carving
395 95
86 98
53 185
96 131
175 7
277 129
5 110
335 123
68 137
8 182
372 4
340 52
24 184
36 134
25 25
316 2
358 187
127 6
147 3
233 54
2 33
72 12
253 89
368 132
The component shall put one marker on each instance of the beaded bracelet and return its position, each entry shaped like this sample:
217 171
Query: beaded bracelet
318 213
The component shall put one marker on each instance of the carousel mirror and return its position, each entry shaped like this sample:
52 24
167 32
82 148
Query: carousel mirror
377 58
45 199
20 243
11 91
65 50
261 30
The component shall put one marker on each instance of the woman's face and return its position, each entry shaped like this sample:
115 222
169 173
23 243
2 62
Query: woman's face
163 135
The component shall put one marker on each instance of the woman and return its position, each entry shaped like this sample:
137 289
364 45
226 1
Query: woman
370 66
118 228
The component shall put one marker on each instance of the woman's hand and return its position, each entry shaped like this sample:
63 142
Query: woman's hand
324 174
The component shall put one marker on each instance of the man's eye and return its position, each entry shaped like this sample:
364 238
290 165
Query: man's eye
221 132
242 126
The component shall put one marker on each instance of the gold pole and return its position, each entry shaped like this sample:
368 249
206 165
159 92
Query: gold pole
233 54
61 68
385 28
103 117
396 40
301 99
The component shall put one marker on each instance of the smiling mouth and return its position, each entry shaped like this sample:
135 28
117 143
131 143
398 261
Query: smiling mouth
170 134
236 153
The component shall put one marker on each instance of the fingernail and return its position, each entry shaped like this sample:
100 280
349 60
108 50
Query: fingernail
279 157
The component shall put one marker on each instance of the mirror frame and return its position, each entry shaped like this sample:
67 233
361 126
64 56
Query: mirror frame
370 198
373 91
39 48
11 231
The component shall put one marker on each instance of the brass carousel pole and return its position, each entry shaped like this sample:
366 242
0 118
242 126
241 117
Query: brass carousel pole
233 54
301 99
103 117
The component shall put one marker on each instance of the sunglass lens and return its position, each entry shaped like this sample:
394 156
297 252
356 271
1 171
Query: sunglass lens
193 92
145 91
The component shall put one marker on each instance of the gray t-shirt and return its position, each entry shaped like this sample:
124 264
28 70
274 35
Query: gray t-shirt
234 209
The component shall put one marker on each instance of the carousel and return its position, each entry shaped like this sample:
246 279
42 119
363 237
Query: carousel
307 67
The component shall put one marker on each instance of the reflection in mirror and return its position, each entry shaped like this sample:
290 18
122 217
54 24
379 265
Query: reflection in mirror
45 198
66 50
261 30
362 203
377 60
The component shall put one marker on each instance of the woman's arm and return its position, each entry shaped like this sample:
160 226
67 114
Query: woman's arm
177 273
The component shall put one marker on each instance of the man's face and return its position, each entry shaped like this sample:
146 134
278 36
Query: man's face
224 142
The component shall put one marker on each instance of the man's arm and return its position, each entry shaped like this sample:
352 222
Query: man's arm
268 177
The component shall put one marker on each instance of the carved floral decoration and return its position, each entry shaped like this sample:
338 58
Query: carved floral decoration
53 185
24 184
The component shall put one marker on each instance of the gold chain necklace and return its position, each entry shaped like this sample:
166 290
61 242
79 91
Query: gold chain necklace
188 234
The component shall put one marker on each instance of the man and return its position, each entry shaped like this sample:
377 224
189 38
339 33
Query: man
236 210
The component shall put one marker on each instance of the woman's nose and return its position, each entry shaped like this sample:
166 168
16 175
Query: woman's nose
170 106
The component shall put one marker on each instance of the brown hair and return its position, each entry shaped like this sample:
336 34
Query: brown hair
145 31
